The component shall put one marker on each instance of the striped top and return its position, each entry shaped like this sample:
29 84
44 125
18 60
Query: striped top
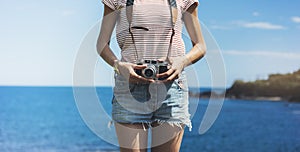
154 15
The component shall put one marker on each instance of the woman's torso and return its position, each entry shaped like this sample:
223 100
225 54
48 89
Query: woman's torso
152 44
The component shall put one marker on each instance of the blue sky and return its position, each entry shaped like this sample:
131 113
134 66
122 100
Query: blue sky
39 40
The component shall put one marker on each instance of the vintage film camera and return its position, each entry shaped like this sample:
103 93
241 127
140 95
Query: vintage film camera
153 67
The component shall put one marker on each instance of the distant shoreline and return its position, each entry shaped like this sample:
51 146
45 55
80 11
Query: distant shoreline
278 87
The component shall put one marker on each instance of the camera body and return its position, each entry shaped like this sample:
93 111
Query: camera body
153 67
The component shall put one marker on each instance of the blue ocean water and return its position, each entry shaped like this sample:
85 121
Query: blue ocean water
46 119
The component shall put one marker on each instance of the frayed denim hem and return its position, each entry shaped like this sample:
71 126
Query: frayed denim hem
149 124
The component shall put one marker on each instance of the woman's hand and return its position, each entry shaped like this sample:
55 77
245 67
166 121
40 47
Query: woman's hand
177 66
127 70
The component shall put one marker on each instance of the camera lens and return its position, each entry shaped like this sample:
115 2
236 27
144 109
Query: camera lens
149 71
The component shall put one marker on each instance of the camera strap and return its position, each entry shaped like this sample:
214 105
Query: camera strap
173 12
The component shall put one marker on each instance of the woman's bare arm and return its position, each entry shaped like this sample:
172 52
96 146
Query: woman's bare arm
107 27
190 18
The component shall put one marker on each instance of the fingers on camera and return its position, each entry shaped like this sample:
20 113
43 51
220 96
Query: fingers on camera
139 66
166 74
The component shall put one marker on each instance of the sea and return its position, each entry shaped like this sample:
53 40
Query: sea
48 119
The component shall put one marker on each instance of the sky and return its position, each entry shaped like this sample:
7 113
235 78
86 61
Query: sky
40 40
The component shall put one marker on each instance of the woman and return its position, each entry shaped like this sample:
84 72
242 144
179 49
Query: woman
150 90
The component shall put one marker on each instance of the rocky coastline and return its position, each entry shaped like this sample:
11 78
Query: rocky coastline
278 87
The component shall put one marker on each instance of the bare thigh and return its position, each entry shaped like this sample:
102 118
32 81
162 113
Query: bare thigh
166 138
132 137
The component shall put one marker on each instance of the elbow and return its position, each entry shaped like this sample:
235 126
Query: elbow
203 50
100 47
201 47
